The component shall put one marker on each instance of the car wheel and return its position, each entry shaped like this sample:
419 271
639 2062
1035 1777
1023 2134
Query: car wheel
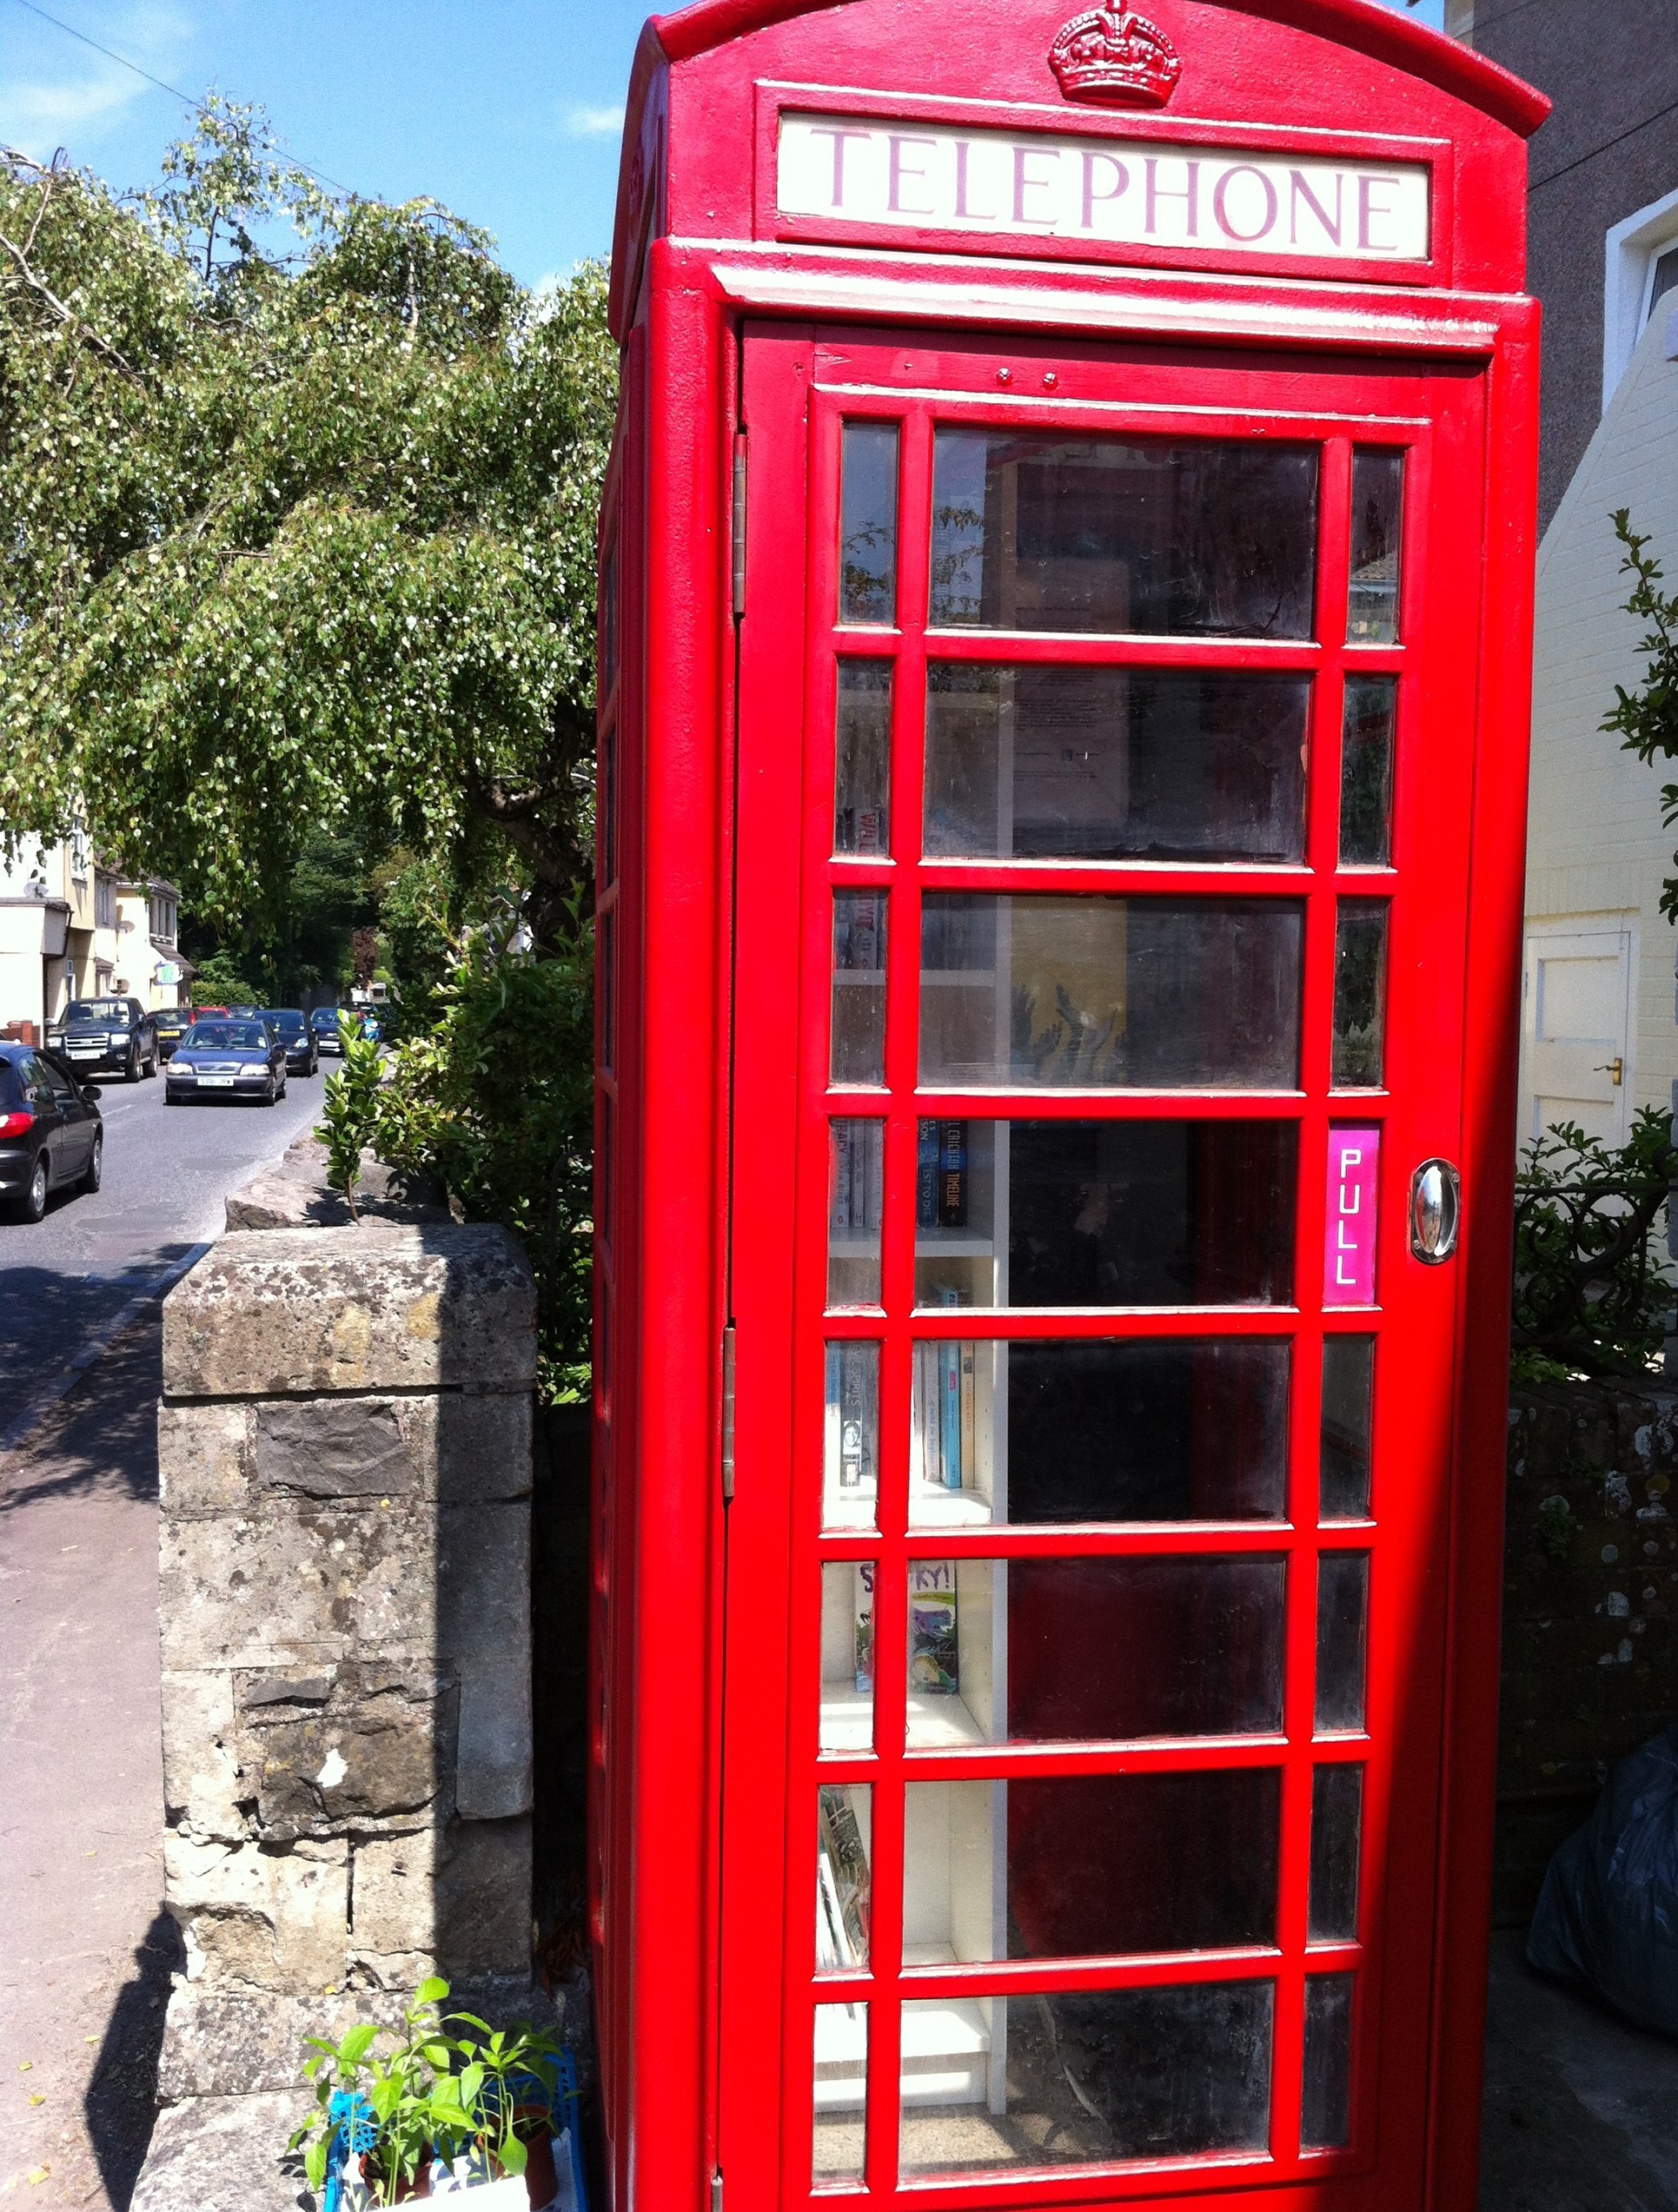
282 1087
151 1064
131 1073
172 1097
95 1166
271 1093
33 1203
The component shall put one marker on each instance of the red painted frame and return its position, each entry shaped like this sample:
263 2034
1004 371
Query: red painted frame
674 1988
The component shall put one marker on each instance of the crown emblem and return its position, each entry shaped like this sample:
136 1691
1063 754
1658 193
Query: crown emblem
1111 53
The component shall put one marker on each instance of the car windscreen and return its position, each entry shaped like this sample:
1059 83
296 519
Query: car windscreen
325 1017
98 1009
287 1023
227 1036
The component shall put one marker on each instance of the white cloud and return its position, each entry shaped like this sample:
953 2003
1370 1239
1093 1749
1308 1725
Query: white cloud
65 92
593 123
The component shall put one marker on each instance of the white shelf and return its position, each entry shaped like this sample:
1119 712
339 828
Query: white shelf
847 1718
956 1242
940 1723
945 2060
959 978
930 1505
874 977
857 1244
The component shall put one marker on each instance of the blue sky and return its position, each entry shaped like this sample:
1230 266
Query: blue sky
508 110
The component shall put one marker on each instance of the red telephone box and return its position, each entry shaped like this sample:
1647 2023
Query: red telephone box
1065 659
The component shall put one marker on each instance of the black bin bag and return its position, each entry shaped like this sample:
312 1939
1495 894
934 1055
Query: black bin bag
1607 1915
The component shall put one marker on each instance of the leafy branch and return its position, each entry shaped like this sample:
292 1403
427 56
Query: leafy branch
1645 720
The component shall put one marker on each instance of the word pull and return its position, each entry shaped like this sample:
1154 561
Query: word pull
1348 1232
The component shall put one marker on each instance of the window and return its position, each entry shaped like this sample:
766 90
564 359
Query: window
78 851
104 903
1642 268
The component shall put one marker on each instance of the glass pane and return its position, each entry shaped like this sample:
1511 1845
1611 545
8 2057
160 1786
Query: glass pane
1377 509
868 524
608 809
850 1437
1084 994
840 2090
1347 1411
1337 1825
956 1261
1114 764
1325 2112
1342 1608
847 1656
605 983
1150 1212
1366 762
856 1158
1360 994
859 1035
1040 1434
862 758
1011 2083
1159 537
1094 1650
1098 1865
844 1846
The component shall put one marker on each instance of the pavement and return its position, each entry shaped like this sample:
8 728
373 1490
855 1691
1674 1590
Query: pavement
167 1170
84 1972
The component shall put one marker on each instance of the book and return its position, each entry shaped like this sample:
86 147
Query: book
841 1851
926 1159
949 1407
968 1353
934 1653
863 1655
952 1175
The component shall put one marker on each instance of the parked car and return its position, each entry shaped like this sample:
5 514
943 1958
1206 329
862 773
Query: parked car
290 1025
115 1033
51 1132
324 1022
245 1013
171 1023
199 1013
227 1059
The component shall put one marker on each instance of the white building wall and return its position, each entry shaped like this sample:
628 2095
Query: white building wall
1596 849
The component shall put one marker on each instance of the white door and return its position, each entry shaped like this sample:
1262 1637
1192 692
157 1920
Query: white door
1576 997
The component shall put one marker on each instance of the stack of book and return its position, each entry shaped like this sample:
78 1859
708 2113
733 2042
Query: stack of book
842 1893
858 1160
941 1175
934 1653
943 1441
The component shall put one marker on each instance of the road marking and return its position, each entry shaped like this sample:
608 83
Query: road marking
15 1438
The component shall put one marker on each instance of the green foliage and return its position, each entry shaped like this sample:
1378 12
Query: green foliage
495 1099
1555 1526
350 1109
293 542
219 982
1647 719
429 2092
1591 1289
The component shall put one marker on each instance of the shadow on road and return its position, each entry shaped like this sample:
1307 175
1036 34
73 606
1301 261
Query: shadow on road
113 1450
121 2102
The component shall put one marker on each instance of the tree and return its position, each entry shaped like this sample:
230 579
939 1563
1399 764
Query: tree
295 543
1647 719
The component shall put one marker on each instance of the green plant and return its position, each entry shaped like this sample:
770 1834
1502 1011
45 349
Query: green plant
1647 719
349 1116
408 2094
492 2061
495 1099
1555 1526
1591 1291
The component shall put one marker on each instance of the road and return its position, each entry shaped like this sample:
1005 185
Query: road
168 1171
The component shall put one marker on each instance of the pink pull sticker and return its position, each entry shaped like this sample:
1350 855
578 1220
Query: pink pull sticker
1349 1235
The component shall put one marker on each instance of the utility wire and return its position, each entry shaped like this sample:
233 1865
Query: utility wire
185 98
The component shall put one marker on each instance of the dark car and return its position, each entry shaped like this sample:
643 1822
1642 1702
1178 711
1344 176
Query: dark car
52 1135
114 1033
324 1024
171 1023
290 1025
227 1059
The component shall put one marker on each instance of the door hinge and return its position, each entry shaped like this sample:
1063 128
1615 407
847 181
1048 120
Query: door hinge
716 2193
728 1421
739 524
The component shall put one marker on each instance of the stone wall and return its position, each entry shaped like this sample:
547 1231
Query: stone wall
1590 1659
345 1453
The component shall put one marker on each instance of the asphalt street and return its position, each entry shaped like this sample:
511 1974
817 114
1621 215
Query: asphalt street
168 1171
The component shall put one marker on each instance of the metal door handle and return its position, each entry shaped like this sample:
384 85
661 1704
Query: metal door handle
1435 1211
1617 1068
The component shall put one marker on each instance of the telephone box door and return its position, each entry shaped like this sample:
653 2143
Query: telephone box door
1104 787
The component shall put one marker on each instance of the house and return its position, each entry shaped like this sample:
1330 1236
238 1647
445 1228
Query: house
58 938
148 960
1599 1035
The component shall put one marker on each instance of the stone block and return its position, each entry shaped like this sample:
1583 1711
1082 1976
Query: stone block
483 1581
298 1585
284 1312
273 1919
336 1447
379 1749
206 1789
225 2154
455 1899
296 1191
495 1774
203 1459
483 1448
